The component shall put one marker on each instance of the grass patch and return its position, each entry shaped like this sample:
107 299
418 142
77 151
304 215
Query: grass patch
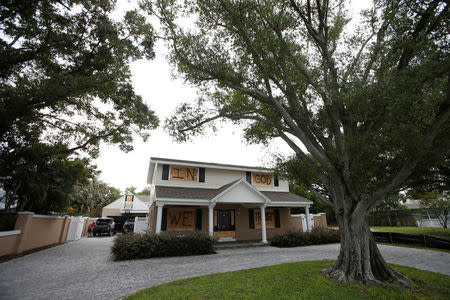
443 233
413 246
301 280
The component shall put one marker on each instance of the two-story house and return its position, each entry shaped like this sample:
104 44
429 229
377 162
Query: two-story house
226 201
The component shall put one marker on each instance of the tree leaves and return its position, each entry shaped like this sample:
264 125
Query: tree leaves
65 87
295 70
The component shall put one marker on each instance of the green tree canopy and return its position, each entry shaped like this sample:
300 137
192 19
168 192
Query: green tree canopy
41 177
65 83
65 71
361 106
91 196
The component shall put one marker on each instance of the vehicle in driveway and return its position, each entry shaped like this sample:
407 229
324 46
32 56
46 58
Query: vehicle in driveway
103 227
128 226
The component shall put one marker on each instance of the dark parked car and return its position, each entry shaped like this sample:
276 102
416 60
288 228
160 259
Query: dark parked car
103 227
128 226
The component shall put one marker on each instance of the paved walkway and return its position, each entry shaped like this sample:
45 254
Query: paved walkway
84 269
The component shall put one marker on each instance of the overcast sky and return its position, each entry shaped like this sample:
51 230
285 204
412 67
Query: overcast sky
153 80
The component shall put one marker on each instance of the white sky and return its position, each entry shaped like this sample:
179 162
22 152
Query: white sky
154 82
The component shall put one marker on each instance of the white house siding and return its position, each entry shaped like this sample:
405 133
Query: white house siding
283 186
154 174
214 178
152 192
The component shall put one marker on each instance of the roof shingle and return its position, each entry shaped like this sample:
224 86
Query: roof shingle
208 194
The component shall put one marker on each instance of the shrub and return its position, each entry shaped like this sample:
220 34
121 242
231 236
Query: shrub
315 237
7 221
136 246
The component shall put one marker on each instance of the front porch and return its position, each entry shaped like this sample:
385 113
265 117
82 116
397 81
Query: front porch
234 213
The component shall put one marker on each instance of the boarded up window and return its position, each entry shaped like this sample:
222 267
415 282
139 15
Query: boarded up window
183 173
180 219
262 179
128 202
270 218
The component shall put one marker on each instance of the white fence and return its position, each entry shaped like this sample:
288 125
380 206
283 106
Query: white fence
311 220
140 224
430 223
75 228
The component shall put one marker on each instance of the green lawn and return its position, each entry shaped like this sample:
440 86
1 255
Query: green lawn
438 232
301 280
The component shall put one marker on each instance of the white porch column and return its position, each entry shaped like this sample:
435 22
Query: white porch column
211 219
263 224
159 217
308 225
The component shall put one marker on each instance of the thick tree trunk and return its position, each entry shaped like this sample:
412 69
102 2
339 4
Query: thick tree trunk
359 258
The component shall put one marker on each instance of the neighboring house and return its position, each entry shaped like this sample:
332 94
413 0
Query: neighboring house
128 205
423 216
226 201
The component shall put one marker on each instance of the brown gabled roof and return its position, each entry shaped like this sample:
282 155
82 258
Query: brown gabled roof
184 193
284 197
190 193
143 198
208 194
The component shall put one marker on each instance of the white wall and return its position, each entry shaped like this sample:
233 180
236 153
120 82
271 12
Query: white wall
215 178
75 228
140 224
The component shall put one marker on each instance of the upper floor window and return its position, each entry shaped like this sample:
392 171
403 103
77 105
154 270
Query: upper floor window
262 179
183 173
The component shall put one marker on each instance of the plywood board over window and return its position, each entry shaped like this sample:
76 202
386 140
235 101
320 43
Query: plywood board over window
262 179
183 173
128 202
180 219
270 218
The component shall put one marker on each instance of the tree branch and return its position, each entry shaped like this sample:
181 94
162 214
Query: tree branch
408 167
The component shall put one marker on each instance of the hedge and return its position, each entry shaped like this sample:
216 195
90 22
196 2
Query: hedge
138 246
295 239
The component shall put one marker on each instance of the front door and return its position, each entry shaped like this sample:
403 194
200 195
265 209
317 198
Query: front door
225 224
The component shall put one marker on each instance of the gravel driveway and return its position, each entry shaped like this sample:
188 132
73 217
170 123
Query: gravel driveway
84 269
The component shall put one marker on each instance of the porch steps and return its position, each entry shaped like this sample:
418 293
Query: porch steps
246 244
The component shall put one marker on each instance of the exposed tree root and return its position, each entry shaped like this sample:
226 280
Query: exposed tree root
361 262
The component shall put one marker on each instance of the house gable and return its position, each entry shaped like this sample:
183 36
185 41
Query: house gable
139 206
241 192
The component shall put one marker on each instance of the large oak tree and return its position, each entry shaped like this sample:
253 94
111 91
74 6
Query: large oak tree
361 106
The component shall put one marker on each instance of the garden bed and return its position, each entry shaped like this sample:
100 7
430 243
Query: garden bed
139 246
295 239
